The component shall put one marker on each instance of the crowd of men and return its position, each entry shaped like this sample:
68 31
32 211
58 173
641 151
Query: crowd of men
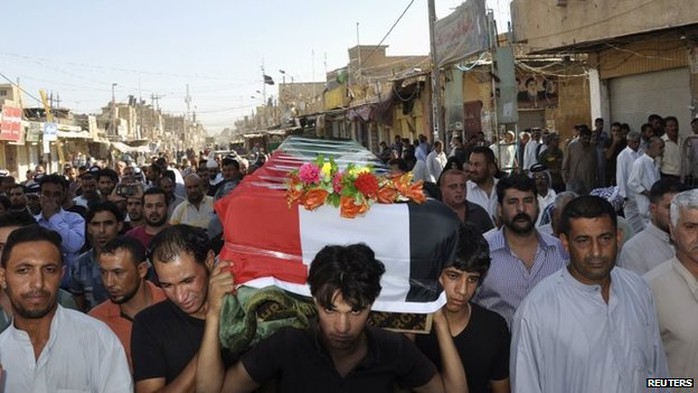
111 283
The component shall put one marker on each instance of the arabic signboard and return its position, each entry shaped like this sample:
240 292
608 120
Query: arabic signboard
50 131
462 33
10 128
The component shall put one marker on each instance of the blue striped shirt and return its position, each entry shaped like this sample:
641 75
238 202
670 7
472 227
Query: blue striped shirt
508 281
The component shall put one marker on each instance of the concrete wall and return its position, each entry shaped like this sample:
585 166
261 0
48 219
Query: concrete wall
544 25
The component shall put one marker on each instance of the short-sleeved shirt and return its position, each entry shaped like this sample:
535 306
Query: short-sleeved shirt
120 323
164 339
483 347
301 364
141 235
478 217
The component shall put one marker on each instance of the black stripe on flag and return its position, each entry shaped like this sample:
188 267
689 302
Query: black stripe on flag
433 241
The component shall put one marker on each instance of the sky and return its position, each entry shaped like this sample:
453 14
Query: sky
77 49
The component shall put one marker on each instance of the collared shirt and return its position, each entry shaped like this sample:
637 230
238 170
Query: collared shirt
187 213
646 250
643 173
675 292
671 159
477 195
120 323
624 163
81 355
435 165
508 281
86 279
71 227
566 338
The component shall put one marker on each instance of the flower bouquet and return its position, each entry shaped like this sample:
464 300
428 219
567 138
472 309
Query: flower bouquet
353 190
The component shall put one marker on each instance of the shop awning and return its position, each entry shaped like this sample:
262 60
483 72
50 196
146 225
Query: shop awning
124 148
73 134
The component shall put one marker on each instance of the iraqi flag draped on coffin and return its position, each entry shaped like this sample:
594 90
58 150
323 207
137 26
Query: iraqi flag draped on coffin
271 243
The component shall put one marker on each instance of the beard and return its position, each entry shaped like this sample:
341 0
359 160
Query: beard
518 226
156 223
35 313
128 296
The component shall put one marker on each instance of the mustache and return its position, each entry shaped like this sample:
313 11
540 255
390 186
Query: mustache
37 294
521 216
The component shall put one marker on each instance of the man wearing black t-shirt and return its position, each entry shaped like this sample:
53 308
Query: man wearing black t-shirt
166 336
481 336
339 353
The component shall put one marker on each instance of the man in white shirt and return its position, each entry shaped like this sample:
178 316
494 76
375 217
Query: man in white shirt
436 161
674 286
481 186
589 327
624 163
643 173
48 348
531 150
197 210
652 245
671 159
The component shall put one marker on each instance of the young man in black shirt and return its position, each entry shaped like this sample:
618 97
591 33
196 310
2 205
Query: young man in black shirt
481 336
339 353
165 338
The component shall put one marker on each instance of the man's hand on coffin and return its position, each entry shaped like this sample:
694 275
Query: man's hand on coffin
220 284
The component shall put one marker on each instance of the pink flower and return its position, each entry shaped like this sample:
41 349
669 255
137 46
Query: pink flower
337 183
309 173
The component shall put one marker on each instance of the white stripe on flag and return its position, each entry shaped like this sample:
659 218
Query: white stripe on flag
384 228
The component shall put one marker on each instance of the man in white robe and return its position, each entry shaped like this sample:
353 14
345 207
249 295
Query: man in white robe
643 173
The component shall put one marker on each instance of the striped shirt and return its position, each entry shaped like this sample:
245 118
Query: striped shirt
508 281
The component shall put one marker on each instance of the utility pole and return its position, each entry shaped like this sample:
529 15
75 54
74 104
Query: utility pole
187 100
436 120
113 110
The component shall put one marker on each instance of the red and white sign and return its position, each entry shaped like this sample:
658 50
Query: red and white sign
10 128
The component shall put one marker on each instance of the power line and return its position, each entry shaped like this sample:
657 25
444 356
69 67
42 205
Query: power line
20 88
386 34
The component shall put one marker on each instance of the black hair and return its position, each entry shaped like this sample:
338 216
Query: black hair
472 253
665 186
653 116
179 239
53 179
30 233
154 191
126 243
110 173
103 206
584 130
587 206
671 118
16 219
457 138
231 161
351 270
486 151
454 161
169 173
157 169
20 186
645 127
516 181
617 124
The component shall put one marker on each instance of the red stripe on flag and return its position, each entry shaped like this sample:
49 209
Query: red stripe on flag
261 234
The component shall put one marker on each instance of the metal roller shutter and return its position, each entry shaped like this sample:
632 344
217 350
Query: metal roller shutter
666 93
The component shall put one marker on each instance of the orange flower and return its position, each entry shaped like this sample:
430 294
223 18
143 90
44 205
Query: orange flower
415 192
387 194
349 209
313 199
